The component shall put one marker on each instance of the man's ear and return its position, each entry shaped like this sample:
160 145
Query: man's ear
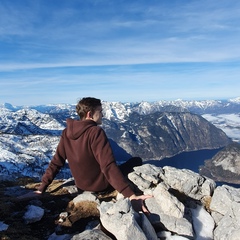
89 115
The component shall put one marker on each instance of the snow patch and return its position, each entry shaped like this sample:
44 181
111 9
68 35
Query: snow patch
203 223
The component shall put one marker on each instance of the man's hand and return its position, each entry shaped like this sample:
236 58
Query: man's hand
138 203
34 194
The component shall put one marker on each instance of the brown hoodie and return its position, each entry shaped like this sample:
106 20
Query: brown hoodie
90 158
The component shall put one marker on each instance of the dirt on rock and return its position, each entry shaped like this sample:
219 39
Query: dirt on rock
55 201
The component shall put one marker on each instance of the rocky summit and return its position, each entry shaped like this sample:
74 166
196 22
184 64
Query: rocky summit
184 205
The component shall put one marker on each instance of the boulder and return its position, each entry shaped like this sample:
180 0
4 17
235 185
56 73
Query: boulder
188 182
223 198
121 220
225 208
33 214
229 226
160 220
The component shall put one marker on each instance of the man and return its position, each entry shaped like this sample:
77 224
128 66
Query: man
86 147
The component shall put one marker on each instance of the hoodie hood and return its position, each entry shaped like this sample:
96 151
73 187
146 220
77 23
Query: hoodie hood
76 128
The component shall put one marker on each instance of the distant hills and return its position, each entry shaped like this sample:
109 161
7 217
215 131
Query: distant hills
225 165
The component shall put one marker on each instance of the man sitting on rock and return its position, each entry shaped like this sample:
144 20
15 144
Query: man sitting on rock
90 157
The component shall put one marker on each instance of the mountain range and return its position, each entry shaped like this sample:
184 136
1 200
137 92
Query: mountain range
152 130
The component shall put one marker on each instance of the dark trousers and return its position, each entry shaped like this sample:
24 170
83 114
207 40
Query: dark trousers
128 166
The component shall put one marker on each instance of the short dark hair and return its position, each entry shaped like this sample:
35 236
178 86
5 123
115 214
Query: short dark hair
87 104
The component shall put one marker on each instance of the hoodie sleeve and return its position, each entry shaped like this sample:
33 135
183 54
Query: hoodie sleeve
54 166
103 153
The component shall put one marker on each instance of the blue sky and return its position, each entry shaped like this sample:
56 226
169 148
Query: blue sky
57 51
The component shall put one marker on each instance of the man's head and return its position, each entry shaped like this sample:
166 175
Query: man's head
90 108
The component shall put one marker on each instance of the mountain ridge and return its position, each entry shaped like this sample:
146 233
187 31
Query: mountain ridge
29 137
33 132
144 106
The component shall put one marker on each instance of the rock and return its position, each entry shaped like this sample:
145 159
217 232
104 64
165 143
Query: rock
85 196
169 204
223 198
229 226
146 176
226 206
216 216
183 180
120 219
188 182
3 226
149 172
159 219
70 186
33 214
82 206
95 234
139 181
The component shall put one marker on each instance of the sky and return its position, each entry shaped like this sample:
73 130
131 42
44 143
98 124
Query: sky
58 51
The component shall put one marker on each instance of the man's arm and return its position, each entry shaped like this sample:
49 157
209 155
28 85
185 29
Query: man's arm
55 165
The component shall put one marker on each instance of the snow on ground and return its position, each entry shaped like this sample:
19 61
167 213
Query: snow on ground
203 223
229 123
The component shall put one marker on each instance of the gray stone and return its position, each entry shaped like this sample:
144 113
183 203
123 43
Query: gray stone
119 219
146 176
86 196
157 217
188 182
169 204
139 181
94 234
71 189
229 226
223 198
33 214
216 216
149 172
70 186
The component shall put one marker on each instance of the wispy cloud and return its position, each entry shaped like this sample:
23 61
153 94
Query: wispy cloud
169 48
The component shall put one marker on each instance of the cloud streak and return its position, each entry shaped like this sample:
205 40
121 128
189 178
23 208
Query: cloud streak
187 48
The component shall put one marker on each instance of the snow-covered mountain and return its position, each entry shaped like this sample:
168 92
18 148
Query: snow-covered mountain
224 114
120 110
152 129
